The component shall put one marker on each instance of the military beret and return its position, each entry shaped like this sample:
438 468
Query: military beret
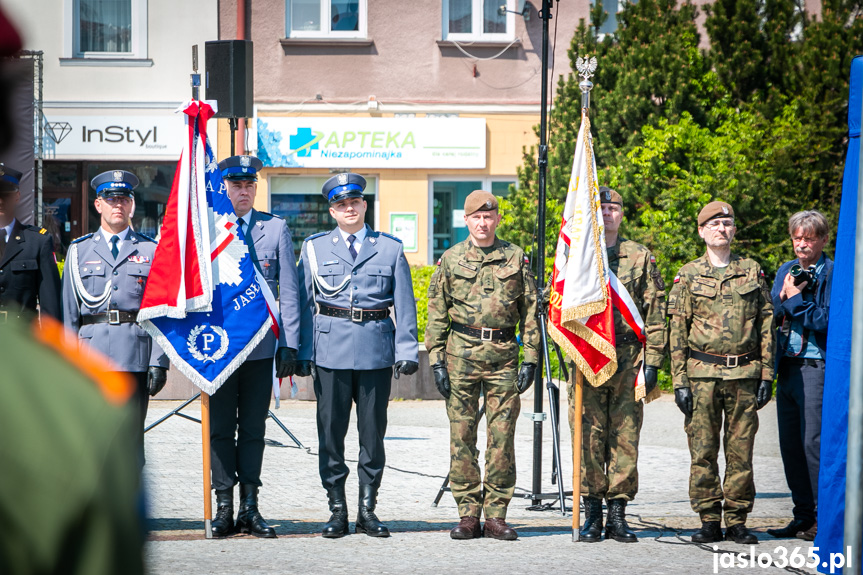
341 186
609 196
10 179
115 183
479 201
715 209
240 168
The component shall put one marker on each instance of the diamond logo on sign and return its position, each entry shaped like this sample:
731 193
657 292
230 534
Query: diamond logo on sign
58 130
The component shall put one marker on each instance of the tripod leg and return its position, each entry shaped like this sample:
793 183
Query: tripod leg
175 411
285 429
440 492
555 429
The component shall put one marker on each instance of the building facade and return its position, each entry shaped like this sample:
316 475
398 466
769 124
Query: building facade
428 100
114 72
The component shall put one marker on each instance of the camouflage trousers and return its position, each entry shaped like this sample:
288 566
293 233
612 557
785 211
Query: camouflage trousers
496 381
611 425
711 399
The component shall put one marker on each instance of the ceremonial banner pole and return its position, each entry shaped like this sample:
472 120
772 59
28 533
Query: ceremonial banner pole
578 384
205 443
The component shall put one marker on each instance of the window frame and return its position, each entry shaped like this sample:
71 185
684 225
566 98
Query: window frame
476 24
72 36
485 184
326 17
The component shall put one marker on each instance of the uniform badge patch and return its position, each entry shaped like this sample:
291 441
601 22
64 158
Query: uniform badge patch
139 259
471 267
438 261
677 278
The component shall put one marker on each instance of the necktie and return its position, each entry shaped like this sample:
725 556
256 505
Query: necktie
351 239
114 249
2 242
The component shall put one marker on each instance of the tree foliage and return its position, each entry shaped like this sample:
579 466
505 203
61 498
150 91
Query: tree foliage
758 119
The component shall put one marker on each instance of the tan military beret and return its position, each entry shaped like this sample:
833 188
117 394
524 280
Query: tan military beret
479 200
609 196
714 209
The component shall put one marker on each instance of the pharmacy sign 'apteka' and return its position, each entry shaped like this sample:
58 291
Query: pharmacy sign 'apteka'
310 142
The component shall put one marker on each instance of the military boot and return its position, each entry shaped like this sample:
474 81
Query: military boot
367 521
223 523
710 532
616 527
591 531
337 526
740 534
249 520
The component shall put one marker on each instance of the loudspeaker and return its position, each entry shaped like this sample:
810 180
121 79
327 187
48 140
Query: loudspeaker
230 77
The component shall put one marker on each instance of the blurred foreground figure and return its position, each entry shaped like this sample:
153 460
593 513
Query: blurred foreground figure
69 486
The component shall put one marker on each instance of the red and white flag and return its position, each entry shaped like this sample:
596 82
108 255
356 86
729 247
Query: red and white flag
584 291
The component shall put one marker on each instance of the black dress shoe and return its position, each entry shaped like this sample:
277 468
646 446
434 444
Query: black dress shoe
249 519
616 527
337 526
591 531
710 532
792 528
740 534
223 522
367 522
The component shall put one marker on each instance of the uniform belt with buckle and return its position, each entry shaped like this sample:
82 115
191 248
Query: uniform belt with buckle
355 314
726 360
112 317
484 333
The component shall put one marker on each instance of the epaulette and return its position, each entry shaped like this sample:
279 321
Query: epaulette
81 239
270 215
392 237
146 237
317 235
34 229
43 231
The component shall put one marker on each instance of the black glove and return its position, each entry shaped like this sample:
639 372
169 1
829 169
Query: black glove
304 368
764 393
525 376
406 367
683 399
286 362
156 379
651 377
441 379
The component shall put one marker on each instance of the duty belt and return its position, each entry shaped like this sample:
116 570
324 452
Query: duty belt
726 360
484 333
112 317
355 314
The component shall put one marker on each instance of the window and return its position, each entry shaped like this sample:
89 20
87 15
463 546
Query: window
106 29
326 18
448 226
299 200
612 8
151 195
483 20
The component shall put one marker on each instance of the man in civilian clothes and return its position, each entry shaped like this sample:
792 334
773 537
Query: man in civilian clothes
801 303
351 345
238 410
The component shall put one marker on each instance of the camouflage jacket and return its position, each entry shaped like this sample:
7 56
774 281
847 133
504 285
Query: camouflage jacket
723 312
496 290
635 267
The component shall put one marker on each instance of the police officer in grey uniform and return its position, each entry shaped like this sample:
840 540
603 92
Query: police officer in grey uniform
238 410
103 283
352 346
28 270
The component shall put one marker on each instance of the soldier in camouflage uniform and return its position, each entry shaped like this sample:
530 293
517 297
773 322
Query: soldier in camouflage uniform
481 290
721 344
612 418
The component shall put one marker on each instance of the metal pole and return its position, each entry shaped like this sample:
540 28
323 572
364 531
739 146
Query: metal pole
39 143
854 465
545 14
205 443
578 383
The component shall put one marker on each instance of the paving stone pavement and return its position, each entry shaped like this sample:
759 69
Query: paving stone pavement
417 444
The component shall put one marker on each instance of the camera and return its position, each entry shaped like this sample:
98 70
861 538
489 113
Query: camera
800 275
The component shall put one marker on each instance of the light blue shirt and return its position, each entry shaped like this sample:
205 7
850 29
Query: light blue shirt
795 336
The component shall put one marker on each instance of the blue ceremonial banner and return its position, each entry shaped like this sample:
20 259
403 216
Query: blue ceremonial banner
834 429
207 306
